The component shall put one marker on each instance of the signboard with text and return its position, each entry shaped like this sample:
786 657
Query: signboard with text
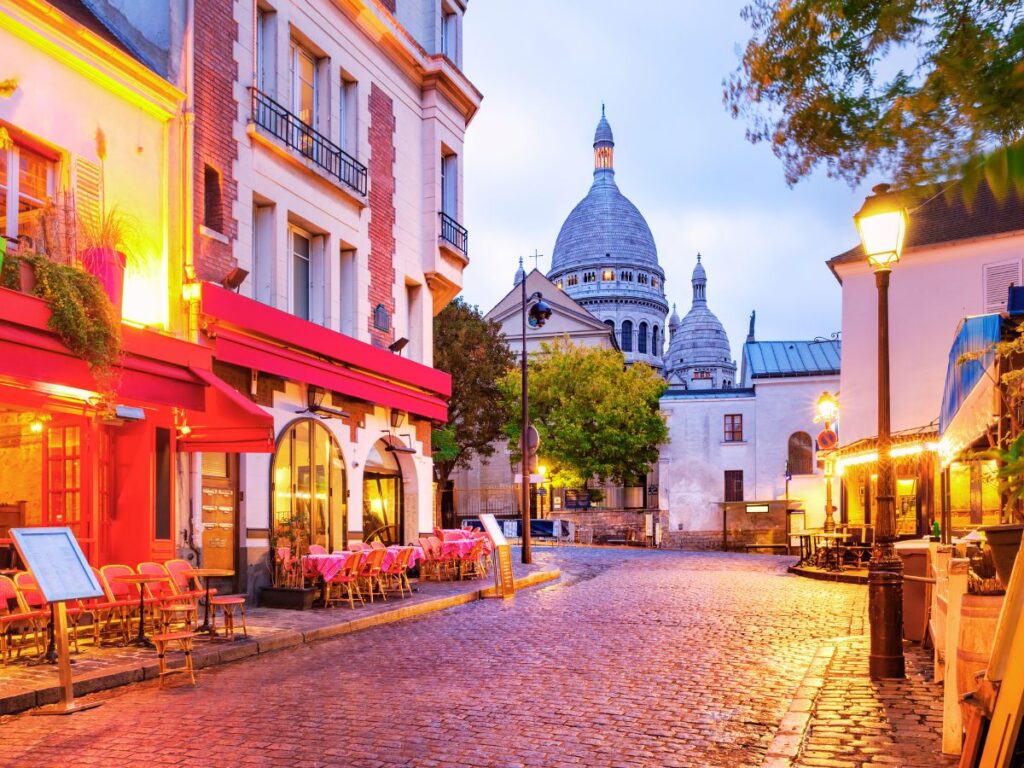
504 579
57 563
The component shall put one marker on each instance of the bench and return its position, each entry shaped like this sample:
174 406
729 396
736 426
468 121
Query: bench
774 547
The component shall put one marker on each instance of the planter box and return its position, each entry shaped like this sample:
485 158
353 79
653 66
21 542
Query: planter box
285 597
1004 541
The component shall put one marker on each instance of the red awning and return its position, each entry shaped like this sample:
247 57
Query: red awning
229 422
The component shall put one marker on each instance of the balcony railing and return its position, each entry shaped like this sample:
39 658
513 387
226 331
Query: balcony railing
454 233
288 128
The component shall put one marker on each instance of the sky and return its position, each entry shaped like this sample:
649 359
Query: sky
545 66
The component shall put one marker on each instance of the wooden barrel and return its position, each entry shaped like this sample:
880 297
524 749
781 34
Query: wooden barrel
978 617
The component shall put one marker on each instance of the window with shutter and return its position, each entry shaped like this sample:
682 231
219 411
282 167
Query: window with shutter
997 281
87 190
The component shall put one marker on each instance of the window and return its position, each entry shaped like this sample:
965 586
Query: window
303 72
213 209
627 336
626 275
414 321
26 182
572 280
801 454
348 114
641 341
163 458
727 384
301 253
589 277
349 300
449 33
264 59
655 341
382 496
701 374
734 427
734 485
641 278
610 324
263 253
449 181
654 282
608 275
559 285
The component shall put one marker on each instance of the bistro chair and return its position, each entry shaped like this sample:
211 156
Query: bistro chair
289 568
15 622
358 546
370 573
106 610
182 582
227 605
397 572
428 565
317 549
470 563
184 641
377 545
31 599
347 578
446 562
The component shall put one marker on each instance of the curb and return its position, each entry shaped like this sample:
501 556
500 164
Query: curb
842 578
211 656
789 737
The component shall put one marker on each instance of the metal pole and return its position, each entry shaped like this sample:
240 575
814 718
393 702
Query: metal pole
527 559
885 569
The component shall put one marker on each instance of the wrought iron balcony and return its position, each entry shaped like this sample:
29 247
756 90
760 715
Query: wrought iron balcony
454 233
295 134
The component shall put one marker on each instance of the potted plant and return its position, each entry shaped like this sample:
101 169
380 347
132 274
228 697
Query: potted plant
288 589
108 250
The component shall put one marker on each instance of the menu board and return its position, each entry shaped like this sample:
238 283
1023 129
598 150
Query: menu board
493 530
57 563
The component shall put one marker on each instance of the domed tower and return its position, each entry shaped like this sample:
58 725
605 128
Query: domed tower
606 260
699 355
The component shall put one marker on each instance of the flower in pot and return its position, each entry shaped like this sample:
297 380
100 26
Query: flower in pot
108 250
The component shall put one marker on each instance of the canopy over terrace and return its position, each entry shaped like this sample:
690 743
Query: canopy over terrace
72 456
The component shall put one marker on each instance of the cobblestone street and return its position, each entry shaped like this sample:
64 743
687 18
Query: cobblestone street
635 658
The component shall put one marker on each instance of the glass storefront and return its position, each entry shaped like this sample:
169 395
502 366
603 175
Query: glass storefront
973 494
382 496
308 488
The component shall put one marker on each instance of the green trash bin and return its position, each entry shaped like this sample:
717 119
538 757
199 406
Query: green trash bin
916 557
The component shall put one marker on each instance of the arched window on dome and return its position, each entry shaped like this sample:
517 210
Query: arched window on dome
608 275
655 341
641 340
626 275
589 277
571 280
642 278
801 454
610 324
627 336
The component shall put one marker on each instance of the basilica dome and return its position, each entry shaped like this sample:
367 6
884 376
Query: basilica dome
699 355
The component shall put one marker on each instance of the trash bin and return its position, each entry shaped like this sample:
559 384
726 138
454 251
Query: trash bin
915 555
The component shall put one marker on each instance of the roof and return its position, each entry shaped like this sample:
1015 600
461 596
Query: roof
732 393
78 11
785 359
948 217
603 134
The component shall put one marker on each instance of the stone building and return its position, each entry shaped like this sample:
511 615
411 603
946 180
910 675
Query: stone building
606 260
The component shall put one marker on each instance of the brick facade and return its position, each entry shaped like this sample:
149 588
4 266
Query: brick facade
382 212
216 109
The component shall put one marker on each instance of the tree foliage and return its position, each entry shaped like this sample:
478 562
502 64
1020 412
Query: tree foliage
475 353
921 90
596 417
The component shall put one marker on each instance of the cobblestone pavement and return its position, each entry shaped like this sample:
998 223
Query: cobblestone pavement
635 658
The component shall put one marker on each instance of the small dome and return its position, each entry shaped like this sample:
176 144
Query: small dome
520 274
699 342
698 271
603 134
673 321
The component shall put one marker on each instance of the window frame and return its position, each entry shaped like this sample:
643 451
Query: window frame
11 156
732 424
294 230
299 50
733 481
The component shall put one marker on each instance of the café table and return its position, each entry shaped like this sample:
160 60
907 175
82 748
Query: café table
832 551
140 580
206 574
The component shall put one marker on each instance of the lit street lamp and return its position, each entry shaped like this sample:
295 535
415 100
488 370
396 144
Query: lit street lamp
828 408
882 223
538 313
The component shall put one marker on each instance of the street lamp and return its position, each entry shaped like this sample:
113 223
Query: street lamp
538 313
882 223
828 408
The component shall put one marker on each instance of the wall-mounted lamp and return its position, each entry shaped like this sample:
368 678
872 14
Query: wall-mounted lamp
315 404
8 87
191 291
397 418
398 345
234 279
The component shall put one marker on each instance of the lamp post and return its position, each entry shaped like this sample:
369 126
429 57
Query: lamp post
882 223
538 313
827 407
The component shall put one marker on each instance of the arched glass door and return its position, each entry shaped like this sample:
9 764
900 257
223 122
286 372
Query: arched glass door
308 489
382 496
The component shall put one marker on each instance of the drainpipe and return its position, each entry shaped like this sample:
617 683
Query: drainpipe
188 167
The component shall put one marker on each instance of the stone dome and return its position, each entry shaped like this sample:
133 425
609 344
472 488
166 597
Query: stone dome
699 355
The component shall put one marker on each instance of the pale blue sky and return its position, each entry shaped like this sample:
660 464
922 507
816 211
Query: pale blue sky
545 66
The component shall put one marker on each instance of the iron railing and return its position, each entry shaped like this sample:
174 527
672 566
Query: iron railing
289 129
454 233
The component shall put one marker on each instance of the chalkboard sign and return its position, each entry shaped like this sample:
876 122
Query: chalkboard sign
57 563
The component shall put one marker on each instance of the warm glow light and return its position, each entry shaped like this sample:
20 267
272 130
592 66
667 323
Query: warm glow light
910 449
191 291
542 470
828 407
882 223
35 427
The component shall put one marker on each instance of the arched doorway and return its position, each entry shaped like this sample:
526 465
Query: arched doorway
383 503
307 487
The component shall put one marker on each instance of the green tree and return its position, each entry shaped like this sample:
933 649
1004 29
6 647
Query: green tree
597 418
921 90
475 353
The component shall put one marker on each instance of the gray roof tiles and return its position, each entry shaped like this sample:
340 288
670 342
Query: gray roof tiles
780 359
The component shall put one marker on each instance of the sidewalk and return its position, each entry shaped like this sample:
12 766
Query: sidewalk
270 629
842 719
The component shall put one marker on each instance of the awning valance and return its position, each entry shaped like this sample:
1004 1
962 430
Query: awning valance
969 401
229 422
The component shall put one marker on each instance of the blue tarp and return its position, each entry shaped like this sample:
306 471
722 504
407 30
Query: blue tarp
976 334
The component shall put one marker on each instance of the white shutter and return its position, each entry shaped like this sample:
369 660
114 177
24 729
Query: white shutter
997 281
87 190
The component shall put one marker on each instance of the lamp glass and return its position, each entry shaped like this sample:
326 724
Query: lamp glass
828 407
882 227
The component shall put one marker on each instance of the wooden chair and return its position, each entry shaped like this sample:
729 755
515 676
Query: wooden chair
31 599
348 578
428 565
470 564
184 641
397 575
182 582
317 549
227 605
377 545
370 572
446 563
106 611
15 622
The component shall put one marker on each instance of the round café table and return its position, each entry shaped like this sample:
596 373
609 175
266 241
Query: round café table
140 579
206 574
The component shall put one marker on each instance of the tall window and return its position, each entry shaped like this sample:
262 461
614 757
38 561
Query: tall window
213 208
449 33
734 427
263 253
627 336
264 60
449 182
734 485
308 487
655 341
300 245
801 454
641 341
303 71
348 111
382 496
26 181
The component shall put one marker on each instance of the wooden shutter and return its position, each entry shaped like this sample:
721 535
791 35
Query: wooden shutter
997 280
87 190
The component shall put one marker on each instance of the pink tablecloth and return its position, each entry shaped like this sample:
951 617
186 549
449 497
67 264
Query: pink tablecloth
327 566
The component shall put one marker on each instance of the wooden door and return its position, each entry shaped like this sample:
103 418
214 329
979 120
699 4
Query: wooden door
220 511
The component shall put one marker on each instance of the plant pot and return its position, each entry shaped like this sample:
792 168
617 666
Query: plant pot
107 266
288 597
1004 540
26 276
